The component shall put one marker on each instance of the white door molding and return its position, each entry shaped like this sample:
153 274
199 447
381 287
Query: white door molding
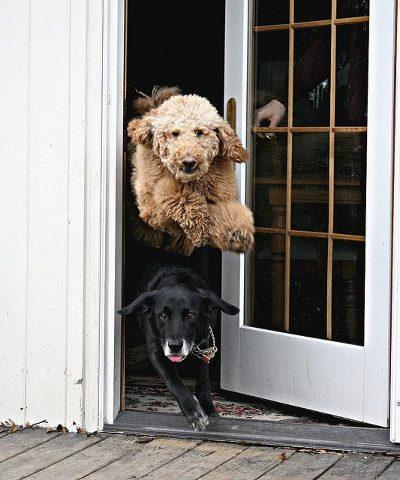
112 189
395 351
103 211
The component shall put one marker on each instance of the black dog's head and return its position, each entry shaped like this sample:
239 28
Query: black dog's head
180 316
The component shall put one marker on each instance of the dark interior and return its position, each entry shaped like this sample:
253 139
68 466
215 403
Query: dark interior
167 46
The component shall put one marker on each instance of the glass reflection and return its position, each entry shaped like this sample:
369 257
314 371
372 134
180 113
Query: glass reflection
271 12
311 91
348 292
350 183
352 8
309 10
269 281
269 196
271 69
310 172
352 75
308 258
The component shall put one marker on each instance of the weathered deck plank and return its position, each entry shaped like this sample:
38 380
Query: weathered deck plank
90 459
302 466
357 466
197 462
249 464
36 455
40 457
19 442
144 460
391 473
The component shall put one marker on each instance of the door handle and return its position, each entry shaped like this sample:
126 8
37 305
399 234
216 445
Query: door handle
231 113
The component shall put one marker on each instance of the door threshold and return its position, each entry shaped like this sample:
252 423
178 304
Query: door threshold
259 432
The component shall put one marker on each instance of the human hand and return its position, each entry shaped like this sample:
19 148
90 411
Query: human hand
274 111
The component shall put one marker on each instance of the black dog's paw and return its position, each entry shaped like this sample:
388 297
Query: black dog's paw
196 417
207 403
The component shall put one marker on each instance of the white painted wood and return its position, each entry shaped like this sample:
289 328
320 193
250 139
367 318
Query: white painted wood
52 270
307 372
395 352
93 214
14 160
344 380
113 78
76 216
379 210
48 145
236 34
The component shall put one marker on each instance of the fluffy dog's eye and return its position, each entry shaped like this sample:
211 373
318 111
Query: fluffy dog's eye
190 315
198 133
175 133
162 316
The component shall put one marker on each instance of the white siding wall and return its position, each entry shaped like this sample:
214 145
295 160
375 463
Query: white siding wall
50 159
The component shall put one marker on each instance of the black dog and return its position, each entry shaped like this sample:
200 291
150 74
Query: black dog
176 311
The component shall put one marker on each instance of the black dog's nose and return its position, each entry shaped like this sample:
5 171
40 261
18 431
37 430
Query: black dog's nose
175 347
189 165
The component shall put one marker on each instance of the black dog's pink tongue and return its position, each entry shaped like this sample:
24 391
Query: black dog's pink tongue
176 358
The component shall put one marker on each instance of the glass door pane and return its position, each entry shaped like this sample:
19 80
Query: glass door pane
308 131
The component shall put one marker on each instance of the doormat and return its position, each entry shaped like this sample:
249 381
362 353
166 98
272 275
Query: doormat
145 394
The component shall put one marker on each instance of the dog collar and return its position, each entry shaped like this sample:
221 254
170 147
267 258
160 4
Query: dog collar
206 354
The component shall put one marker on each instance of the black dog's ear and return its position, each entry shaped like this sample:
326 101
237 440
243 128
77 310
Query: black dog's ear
215 301
143 300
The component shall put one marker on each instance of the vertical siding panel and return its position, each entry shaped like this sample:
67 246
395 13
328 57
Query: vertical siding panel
48 211
14 74
74 374
94 99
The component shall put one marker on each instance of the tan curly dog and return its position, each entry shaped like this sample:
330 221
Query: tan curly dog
184 175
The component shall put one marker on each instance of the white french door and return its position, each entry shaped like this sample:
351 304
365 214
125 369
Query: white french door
314 295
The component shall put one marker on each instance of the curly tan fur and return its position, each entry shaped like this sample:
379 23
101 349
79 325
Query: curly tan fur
184 176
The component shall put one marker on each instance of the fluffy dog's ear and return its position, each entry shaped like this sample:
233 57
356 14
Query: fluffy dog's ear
231 147
213 299
140 131
142 301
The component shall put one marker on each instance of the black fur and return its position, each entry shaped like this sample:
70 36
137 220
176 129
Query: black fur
176 304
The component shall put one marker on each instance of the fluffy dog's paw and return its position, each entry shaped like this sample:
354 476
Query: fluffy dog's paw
196 417
240 240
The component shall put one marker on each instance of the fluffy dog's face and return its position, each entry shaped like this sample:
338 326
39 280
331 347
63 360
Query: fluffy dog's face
180 316
187 134
187 150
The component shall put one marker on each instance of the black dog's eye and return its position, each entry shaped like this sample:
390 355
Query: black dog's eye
162 316
175 133
198 133
190 315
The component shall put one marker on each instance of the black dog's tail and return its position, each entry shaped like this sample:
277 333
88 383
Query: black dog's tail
144 102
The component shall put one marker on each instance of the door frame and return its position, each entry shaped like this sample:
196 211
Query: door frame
112 209
395 343
374 359
110 235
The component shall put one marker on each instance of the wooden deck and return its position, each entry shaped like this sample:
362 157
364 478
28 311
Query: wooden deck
38 455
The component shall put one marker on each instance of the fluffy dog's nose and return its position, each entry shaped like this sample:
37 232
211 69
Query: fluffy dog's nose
189 166
175 346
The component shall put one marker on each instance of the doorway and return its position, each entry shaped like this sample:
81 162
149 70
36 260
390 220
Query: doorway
268 353
184 49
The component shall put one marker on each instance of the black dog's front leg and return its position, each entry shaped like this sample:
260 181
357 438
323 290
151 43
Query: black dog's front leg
188 403
203 390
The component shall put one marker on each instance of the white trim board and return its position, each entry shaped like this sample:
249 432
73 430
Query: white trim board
395 352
